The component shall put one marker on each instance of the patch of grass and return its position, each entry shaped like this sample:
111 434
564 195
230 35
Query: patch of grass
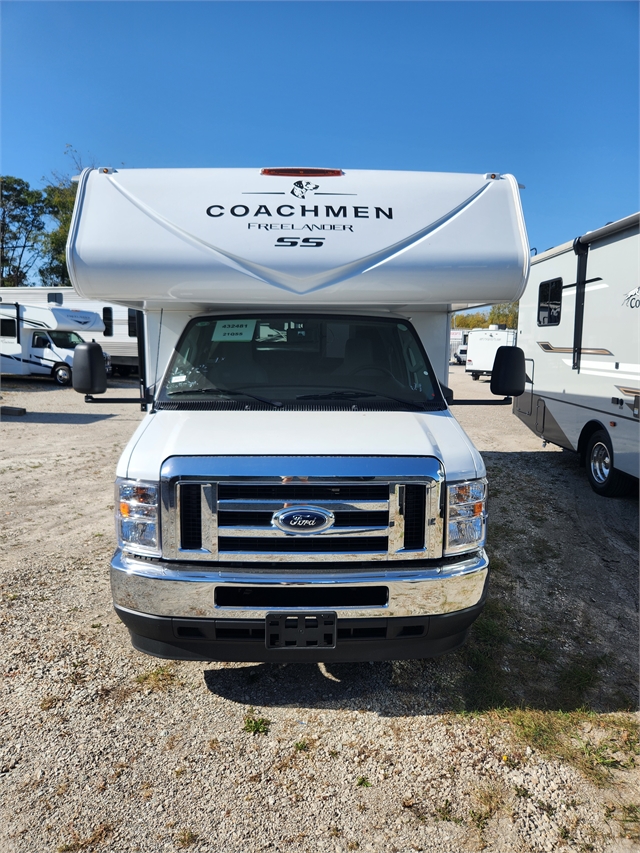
489 800
48 702
99 835
484 685
255 725
579 675
522 792
302 746
445 812
363 782
185 838
592 743
160 678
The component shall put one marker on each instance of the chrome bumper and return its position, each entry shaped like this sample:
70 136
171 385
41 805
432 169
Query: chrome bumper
172 589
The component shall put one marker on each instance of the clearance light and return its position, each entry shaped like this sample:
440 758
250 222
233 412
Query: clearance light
303 173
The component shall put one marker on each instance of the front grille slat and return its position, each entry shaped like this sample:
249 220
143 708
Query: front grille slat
304 492
263 519
190 516
414 516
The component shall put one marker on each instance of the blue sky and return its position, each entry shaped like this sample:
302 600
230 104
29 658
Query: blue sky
545 90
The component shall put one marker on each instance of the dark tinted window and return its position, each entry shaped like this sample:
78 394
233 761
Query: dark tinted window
133 323
107 319
550 302
56 298
7 328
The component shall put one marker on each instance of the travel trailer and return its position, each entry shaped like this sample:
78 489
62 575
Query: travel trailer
578 327
119 336
482 346
41 339
299 489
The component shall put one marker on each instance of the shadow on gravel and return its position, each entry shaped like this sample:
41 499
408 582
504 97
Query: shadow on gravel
76 419
559 631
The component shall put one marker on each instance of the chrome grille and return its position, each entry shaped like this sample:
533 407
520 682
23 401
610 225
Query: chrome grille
218 516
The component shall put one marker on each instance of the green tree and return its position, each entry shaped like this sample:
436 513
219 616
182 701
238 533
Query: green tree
60 198
505 312
479 320
22 225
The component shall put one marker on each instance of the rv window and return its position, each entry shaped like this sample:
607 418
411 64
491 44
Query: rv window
7 328
107 319
302 359
133 323
550 302
56 298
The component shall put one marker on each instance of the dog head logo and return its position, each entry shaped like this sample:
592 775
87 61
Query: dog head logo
301 188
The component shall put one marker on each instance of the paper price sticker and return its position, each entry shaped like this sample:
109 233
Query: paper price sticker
234 330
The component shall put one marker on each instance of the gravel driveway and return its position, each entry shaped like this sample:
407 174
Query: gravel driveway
525 739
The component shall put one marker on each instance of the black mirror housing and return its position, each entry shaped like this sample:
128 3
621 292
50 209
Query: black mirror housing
508 375
89 374
447 393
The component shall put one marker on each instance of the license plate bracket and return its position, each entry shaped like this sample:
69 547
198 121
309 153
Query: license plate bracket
287 630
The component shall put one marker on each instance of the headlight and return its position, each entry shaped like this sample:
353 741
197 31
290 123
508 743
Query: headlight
466 516
137 516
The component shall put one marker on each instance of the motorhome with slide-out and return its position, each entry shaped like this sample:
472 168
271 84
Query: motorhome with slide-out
298 489
579 329
40 340
119 335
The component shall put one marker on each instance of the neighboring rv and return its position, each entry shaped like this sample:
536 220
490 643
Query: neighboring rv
482 346
459 338
119 336
579 329
299 489
41 339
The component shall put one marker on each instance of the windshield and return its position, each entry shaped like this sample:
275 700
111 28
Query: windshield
65 340
288 358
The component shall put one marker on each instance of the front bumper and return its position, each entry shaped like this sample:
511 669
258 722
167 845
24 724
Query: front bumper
182 611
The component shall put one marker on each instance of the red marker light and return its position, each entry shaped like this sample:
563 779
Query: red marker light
303 173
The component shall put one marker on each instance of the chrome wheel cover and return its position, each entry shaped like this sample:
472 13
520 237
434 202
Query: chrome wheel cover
600 462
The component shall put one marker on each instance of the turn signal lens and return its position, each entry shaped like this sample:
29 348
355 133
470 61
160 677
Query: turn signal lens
466 516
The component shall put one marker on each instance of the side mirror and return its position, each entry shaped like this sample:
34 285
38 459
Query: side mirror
89 374
508 375
447 393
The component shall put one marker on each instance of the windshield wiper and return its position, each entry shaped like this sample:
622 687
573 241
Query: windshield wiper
358 395
276 403
336 395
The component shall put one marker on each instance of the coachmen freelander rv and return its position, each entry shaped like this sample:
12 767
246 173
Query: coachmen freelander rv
578 326
299 490
119 335
41 339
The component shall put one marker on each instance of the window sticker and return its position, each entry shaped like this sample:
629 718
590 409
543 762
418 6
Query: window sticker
234 330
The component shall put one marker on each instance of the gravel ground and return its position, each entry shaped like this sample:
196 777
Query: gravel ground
523 740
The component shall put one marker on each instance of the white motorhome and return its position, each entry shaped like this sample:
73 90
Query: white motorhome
299 489
119 336
41 339
578 326
482 346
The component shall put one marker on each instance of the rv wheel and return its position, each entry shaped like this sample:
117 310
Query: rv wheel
62 374
475 376
603 477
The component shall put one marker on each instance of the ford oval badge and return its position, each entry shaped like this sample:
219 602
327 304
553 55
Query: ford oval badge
303 519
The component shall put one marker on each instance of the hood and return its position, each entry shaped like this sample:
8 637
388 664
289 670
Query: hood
168 433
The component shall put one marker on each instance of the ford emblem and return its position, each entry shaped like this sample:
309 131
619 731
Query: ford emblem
303 519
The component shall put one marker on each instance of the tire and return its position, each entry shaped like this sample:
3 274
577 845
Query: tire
475 376
62 374
123 370
603 478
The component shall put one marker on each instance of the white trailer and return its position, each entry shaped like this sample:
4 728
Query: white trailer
119 336
482 346
299 489
41 339
578 326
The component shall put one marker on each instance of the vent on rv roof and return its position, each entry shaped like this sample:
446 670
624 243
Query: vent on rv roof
303 173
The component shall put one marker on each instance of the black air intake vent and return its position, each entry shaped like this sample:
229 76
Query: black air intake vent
414 516
304 544
302 492
190 517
